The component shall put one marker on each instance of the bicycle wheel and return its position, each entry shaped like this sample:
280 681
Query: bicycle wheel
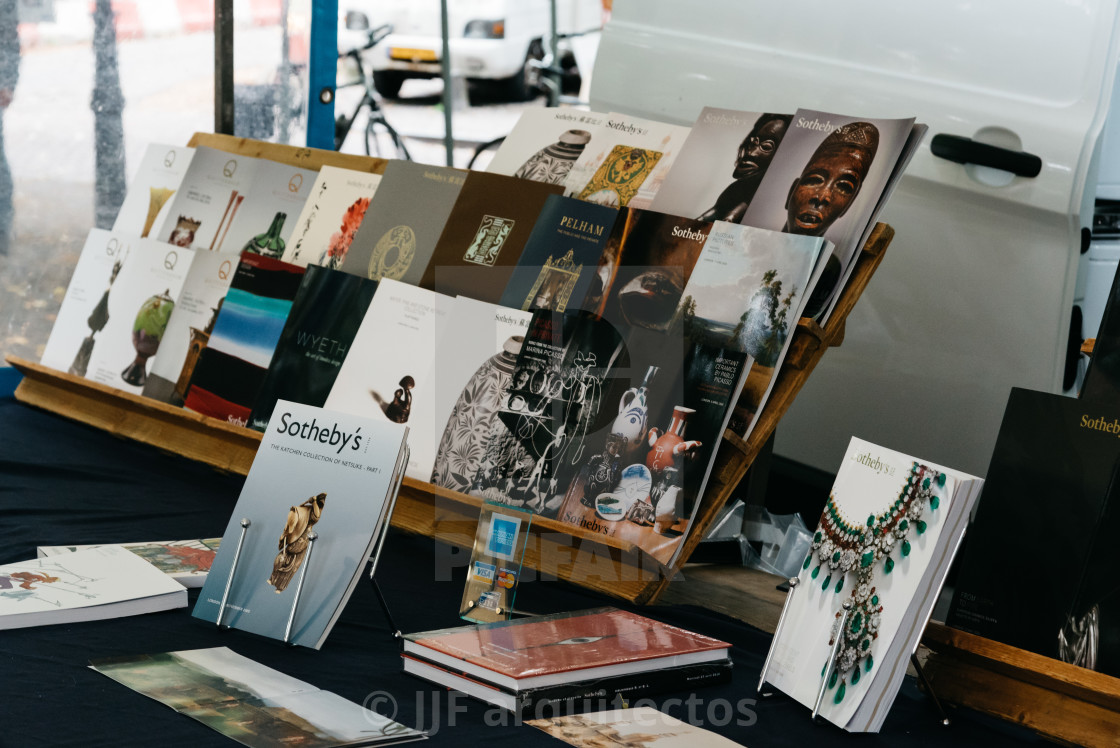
487 147
382 141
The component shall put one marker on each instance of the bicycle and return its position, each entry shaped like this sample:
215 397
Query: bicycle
554 78
381 139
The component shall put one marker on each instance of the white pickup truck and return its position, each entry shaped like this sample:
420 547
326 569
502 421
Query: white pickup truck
494 40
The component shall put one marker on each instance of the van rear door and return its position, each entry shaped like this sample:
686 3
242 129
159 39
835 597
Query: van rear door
976 292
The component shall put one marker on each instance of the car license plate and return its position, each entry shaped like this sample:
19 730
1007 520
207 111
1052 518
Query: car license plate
412 55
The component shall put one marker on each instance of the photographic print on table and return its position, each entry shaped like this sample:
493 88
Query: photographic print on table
637 727
149 193
474 366
403 221
189 328
250 703
326 313
721 164
331 217
826 180
230 370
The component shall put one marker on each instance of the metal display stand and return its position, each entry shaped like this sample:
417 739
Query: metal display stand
777 632
826 675
312 537
245 524
402 463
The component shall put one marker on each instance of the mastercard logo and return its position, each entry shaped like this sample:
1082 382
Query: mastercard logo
507 579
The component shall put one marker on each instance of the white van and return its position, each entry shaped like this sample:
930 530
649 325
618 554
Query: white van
489 39
977 292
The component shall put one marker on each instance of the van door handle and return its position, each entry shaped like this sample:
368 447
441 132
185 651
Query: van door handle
968 151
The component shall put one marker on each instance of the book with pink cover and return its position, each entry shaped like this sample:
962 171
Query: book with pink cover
564 647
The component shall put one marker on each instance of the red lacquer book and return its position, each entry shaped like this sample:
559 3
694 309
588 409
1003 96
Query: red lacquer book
564 648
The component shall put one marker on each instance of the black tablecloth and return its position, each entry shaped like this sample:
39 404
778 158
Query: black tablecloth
64 483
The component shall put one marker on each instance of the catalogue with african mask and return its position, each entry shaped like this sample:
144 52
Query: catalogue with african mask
317 499
883 544
829 178
721 164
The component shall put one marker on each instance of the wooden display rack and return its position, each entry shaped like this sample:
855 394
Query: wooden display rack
555 549
1064 702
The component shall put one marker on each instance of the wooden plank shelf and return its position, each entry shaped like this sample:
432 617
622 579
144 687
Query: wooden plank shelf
555 549
1063 702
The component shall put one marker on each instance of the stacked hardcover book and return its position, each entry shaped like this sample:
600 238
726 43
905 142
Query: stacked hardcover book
568 661
88 585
